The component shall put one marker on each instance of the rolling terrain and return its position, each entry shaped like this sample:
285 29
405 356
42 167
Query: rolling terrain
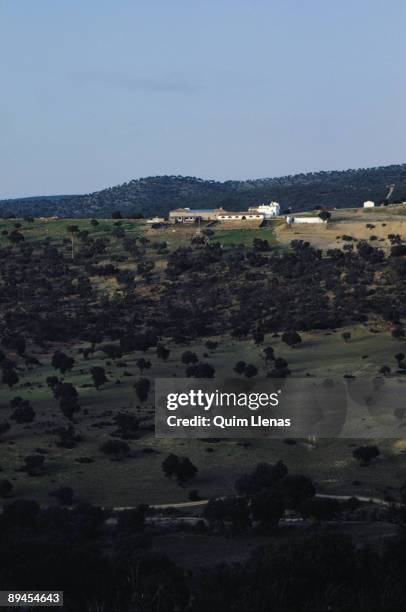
134 479
92 311
158 195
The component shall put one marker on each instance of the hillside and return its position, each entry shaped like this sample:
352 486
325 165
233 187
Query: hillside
158 195
131 291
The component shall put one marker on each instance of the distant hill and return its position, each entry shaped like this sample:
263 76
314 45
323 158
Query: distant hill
159 194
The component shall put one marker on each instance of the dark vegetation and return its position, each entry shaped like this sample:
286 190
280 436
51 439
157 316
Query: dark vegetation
46 297
112 562
157 195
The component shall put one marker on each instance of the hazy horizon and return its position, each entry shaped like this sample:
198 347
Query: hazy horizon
100 93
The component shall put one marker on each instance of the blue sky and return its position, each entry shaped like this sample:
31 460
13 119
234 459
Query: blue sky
97 92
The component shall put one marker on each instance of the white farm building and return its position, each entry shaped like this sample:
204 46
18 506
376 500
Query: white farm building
272 209
290 220
369 204
186 215
254 213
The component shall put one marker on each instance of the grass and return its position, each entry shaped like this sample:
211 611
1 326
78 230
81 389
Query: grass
228 237
57 229
139 478
180 235
394 209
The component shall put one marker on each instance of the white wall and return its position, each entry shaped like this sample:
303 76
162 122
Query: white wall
239 217
304 220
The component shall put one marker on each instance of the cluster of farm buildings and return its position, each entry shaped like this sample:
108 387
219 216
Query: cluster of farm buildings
256 213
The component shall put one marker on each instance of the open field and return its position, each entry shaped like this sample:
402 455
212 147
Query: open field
135 479
350 222
227 234
57 229
228 237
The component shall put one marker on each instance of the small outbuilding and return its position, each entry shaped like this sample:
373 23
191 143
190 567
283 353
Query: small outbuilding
305 220
369 204
270 210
